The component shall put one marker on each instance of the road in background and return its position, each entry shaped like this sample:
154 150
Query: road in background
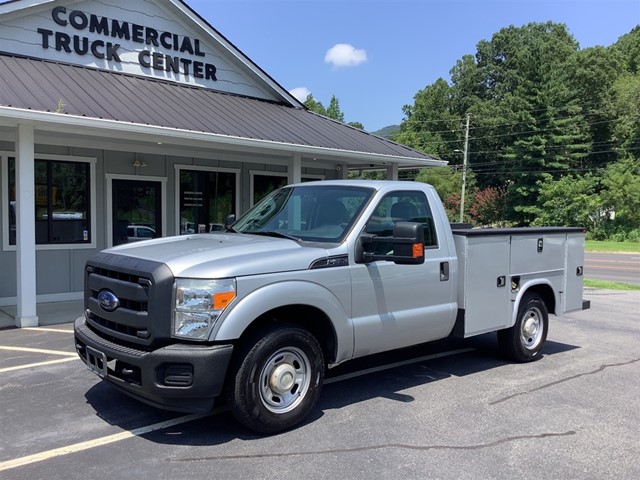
615 267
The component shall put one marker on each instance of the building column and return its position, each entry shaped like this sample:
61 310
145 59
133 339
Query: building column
392 172
294 169
25 227
343 171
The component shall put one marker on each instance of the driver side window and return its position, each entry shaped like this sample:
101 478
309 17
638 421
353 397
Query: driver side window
403 206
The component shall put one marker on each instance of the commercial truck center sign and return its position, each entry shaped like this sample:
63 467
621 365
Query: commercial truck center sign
113 30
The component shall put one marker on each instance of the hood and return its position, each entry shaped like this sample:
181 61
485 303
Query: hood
223 255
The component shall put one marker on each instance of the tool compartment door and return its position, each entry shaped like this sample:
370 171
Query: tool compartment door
483 283
573 289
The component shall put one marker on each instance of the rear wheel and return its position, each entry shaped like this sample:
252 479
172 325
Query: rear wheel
524 341
276 379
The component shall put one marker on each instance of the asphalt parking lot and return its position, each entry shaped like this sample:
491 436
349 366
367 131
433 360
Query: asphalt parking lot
451 410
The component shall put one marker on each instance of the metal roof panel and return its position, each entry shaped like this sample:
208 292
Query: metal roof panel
39 84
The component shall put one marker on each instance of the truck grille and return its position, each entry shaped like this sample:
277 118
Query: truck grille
135 305
123 276
142 293
117 327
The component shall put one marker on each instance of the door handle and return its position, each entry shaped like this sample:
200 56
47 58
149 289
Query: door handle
444 271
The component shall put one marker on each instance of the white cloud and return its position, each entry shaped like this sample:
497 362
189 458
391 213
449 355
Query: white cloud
301 93
345 55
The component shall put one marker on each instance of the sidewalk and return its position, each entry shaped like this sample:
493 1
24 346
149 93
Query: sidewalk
48 313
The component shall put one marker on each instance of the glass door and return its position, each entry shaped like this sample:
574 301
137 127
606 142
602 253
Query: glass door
206 199
137 211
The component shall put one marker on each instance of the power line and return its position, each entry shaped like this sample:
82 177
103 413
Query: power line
609 143
515 134
583 114
499 167
514 112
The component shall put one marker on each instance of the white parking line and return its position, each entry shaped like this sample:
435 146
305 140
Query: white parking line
69 357
47 329
38 364
39 350
78 447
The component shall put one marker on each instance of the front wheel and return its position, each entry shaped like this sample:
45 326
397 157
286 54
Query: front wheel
276 379
524 341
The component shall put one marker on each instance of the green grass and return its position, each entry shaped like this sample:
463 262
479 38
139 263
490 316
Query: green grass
597 246
592 283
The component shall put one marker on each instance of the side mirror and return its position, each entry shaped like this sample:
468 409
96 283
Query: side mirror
230 220
407 243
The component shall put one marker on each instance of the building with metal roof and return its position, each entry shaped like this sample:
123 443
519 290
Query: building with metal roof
118 115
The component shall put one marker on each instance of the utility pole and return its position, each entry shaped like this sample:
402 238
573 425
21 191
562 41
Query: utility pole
464 168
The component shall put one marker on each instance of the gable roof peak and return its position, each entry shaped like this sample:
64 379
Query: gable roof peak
162 38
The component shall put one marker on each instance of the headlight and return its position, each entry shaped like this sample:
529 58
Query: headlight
198 304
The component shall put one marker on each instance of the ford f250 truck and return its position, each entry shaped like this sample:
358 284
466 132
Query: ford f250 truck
312 276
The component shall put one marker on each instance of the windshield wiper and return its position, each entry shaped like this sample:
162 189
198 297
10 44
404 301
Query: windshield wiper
271 233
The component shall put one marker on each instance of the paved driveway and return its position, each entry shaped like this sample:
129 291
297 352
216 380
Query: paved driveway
451 410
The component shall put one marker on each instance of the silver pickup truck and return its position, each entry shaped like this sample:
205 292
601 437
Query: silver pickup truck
314 275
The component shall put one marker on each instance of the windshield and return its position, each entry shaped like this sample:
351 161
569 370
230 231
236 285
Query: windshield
319 213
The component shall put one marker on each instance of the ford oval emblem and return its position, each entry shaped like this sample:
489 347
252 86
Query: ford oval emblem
108 300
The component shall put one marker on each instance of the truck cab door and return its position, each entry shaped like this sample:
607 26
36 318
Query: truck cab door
393 305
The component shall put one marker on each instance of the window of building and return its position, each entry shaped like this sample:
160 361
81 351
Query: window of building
136 209
62 202
207 197
262 184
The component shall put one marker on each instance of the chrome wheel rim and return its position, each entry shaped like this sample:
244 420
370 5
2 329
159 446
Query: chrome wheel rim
285 380
531 329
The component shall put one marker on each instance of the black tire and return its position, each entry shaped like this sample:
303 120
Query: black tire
524 341
275 379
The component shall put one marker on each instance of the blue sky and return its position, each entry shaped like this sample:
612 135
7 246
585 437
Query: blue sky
390 48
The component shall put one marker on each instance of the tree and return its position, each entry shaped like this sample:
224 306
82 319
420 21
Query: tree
544 114
314 105
445 180
621 194
626 126
547 133
592 73
429 125
489 207
570 201
448 184
526 118
333 111
628 46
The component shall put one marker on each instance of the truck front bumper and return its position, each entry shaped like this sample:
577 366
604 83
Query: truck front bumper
179 377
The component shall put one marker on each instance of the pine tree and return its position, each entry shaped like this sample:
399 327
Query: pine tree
333 111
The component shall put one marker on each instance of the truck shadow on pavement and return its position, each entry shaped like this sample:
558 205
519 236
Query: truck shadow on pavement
385 375
459 358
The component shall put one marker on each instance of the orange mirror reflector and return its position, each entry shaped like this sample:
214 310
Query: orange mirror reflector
418 250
